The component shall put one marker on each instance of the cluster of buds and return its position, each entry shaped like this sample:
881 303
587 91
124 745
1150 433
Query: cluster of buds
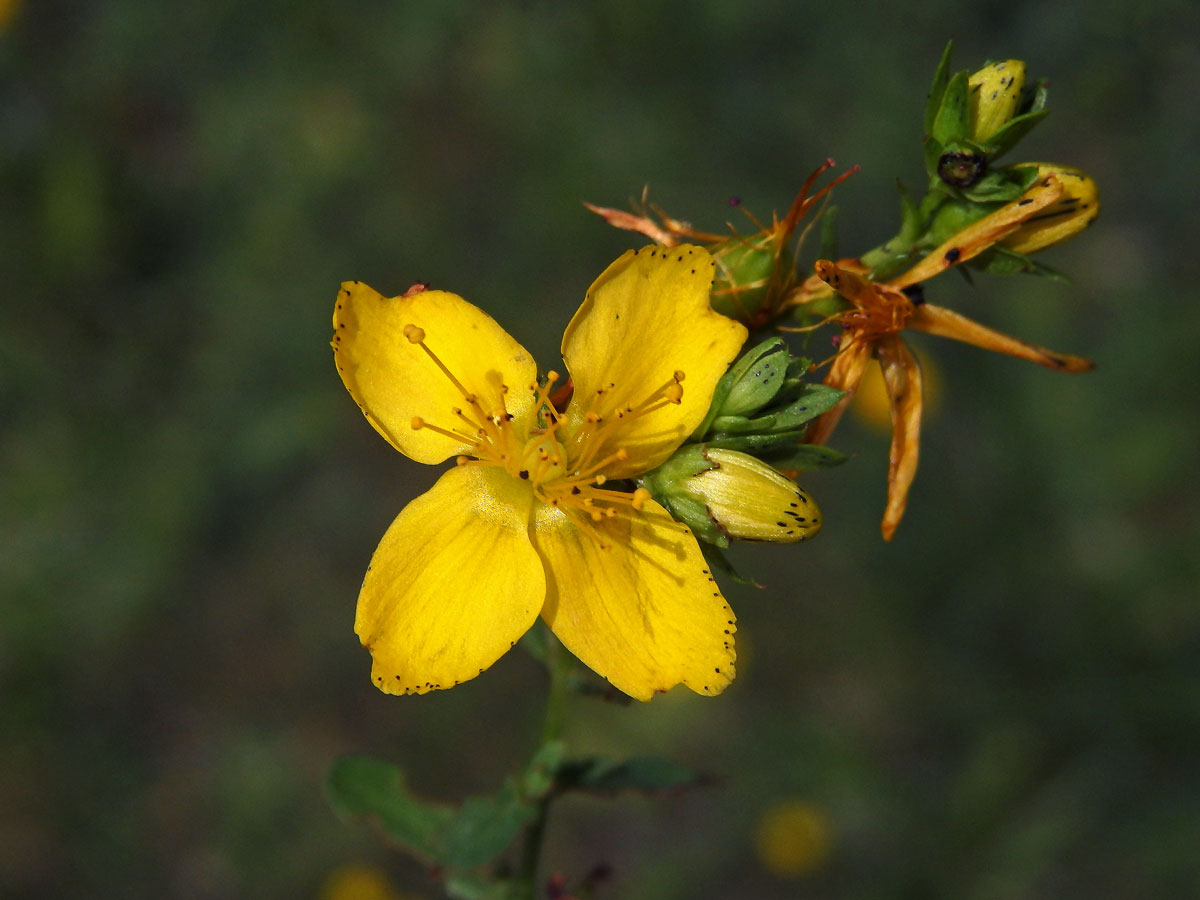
975 213
971 120
733 479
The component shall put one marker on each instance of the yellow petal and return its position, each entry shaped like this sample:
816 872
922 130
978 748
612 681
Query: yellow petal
902 377
394 379
854 352
948 323
1070 214
641 608
994 92
645 318
454 583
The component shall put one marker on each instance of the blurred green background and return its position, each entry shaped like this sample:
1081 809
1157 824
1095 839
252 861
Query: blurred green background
1002 703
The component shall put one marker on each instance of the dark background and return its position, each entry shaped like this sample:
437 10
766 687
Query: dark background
1002 703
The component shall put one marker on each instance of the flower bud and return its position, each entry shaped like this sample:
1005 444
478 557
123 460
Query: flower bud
750 501
1063 219
994 94
745 272
754 380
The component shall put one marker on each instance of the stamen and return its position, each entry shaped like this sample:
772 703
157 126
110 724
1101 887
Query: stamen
417 424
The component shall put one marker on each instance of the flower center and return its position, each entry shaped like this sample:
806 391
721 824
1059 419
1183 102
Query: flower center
563 462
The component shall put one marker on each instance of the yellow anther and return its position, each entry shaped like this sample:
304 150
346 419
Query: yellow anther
600 479
622 454
462 460
640 496
414 333
674 393
417 423
679 375
597 515
592 417
551 377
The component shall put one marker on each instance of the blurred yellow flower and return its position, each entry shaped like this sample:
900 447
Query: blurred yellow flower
8 12
793 838
525 524
360 882
872 406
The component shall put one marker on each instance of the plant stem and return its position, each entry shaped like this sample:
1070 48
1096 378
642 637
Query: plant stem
558 663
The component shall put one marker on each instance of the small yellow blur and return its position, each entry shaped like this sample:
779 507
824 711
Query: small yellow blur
793 838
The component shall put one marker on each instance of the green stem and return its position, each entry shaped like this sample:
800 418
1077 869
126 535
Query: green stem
558 663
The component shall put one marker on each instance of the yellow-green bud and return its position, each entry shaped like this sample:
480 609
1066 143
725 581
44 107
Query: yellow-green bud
1063 219
750 501
994 93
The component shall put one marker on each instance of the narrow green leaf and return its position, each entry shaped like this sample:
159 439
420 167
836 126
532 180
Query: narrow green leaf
941 77
362 786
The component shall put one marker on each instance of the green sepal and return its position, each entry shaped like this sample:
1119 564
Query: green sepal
937 90
646 774
811 401
755 378
806 457
1002 185
719 562
694 514
784 451
1000 260
665 485
953 119
1007 136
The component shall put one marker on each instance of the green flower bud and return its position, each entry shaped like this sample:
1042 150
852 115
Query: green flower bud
723 495
994 95
1063 219
745 273
755 379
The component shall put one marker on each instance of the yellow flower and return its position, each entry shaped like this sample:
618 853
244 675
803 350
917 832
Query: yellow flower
793 838
532 521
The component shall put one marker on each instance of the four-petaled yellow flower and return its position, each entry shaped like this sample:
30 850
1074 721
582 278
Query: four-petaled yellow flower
533 519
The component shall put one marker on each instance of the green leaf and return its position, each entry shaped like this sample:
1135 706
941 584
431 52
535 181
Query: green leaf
941 77
952 122
538 778
485 826
360 786
649 774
